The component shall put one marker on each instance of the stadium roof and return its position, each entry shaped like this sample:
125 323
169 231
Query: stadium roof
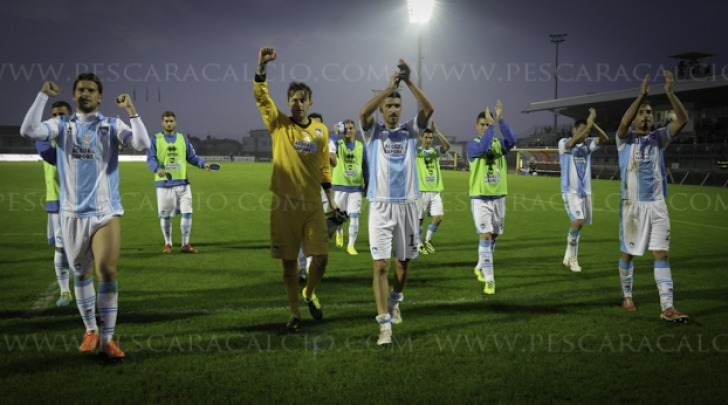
692 55
701 93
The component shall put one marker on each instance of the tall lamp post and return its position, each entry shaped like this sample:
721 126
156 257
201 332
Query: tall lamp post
420 12
556 39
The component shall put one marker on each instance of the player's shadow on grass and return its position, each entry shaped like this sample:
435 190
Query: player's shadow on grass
43 320
62 361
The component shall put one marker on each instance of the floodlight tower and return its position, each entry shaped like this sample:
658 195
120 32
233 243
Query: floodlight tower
556 39
420 12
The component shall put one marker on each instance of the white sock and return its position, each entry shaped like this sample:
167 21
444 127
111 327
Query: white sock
384 321
572 243
431 229
301 258
62 271
485 259
394 299
108 308
663 278
185 224
166 224
625 276
86 301
353 229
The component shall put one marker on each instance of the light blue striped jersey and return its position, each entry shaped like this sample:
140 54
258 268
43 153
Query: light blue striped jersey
576 166
642 165
392 156
88 161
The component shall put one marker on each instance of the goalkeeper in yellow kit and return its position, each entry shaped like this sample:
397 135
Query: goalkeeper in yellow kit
300 169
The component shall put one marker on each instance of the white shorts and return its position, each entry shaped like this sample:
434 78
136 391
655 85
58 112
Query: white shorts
393 221
578 207
431 202
78 233
54 230
489 216
643 225
348 201
174 200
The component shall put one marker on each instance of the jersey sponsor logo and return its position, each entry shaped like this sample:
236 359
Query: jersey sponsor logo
83 153
641 151
393 148
305 146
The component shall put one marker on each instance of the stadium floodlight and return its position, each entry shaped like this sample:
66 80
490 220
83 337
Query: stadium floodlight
420 11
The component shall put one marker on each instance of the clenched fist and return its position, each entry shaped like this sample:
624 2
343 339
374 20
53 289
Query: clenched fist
51 89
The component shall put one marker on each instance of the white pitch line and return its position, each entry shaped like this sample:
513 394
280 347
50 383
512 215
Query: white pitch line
723 228
43 299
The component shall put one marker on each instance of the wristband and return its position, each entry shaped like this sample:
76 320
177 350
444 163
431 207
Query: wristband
134 116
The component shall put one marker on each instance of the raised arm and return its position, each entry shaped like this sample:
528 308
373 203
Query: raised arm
139 136
32 126
631 112
603 137
260 86
680 113
365 115
479 147
445 143
426 107
581 134
508 135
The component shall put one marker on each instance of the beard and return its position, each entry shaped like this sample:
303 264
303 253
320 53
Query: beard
86 107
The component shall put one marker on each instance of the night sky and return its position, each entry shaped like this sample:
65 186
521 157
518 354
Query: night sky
199 57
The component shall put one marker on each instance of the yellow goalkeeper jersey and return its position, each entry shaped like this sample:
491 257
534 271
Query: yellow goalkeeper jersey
300 155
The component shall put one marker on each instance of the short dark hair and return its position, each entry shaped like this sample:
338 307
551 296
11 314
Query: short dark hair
349 121
89 77
394 94
579 123
60 104
316 115
168 114
481 116
296 86
645 102
426 131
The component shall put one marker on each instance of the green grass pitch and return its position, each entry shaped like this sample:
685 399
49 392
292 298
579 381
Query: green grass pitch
208 327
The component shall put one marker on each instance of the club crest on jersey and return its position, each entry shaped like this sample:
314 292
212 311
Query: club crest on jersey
319 133
104 130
